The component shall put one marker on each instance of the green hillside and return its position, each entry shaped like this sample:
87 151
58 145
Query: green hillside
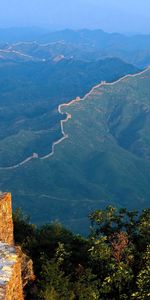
104 160
29 97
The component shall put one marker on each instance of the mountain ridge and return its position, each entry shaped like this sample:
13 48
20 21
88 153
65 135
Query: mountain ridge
32 91
84 44
89 171
68 116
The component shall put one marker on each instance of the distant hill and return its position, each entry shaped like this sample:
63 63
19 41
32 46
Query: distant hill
105 159
133 49
15 34
30 93
38 44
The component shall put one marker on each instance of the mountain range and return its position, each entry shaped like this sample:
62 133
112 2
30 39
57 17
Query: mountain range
103 159
38 44
30 93
63 158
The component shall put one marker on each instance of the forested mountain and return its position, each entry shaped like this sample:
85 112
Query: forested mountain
82 44
104 160
75 150
30 93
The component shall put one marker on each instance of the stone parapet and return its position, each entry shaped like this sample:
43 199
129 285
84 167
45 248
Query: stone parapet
10 274
10 263
6 222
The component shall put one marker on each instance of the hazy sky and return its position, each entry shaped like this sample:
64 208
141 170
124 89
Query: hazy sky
110 15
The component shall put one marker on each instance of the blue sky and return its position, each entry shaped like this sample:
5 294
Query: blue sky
109 15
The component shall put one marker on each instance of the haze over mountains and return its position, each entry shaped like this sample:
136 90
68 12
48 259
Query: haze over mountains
112 15
82 44
105 159
75 147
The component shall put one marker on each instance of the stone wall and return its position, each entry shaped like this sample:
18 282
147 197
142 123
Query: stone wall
10 262
10 274
6 223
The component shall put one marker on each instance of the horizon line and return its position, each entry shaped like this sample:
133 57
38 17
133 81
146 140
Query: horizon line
65 28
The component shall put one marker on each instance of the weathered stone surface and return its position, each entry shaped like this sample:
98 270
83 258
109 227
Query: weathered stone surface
27 273
6 222
10 273
11 287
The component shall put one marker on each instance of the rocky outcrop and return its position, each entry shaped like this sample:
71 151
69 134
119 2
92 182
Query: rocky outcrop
27 273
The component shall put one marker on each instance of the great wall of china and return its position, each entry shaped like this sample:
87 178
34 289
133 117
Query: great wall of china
68 116
10 264
11 257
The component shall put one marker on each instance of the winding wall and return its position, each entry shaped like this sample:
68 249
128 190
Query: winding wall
64 135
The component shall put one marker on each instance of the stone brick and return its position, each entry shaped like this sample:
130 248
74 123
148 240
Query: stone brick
10 262
6 222
10 273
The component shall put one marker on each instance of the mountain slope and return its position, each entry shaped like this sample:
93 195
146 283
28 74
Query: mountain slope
104 160
98 44
30 94
80 45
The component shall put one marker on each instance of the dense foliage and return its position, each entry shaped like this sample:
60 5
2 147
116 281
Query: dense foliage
112 263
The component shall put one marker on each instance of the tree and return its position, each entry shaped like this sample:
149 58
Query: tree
143 278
